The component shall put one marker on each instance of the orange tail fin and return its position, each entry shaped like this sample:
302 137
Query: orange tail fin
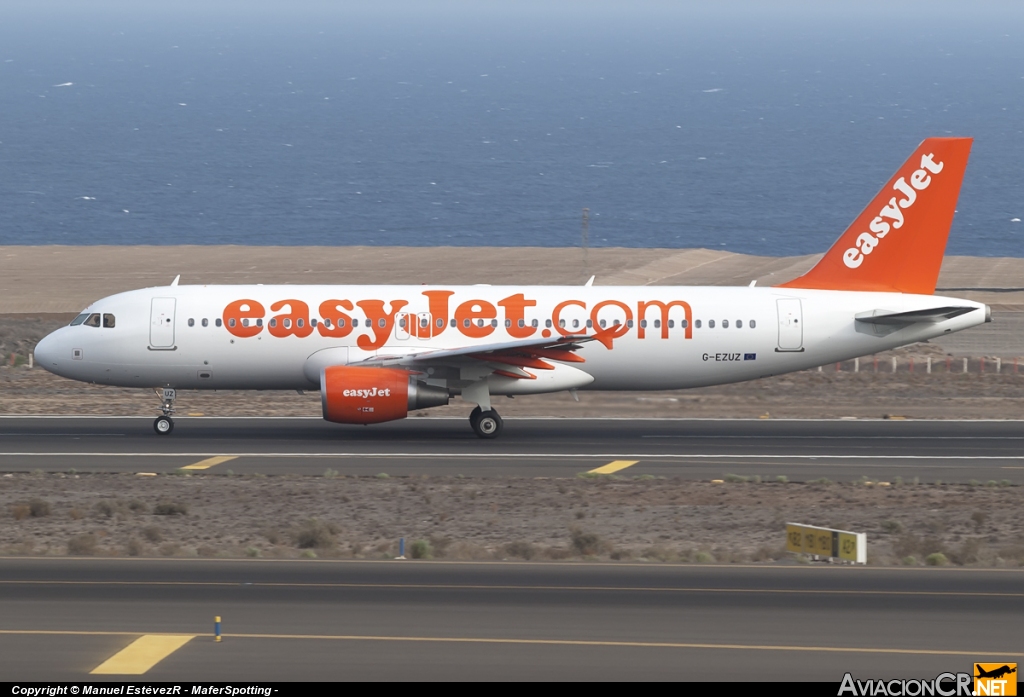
897 243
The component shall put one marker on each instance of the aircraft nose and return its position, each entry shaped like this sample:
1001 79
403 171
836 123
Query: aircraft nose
46 352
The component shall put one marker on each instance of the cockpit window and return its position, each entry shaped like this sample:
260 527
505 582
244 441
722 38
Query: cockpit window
78 320
93 321
108 321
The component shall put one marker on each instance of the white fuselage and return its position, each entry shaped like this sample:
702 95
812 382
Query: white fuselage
180 336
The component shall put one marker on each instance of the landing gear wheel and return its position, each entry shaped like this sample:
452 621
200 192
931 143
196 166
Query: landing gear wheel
163 425
474 415
487 424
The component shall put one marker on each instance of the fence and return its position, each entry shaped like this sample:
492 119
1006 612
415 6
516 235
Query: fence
983 365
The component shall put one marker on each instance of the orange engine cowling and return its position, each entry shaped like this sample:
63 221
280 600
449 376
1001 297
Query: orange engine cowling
353 395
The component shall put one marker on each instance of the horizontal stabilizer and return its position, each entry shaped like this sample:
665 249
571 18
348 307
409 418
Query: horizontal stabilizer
930 316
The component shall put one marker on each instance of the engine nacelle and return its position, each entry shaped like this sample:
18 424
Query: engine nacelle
352 395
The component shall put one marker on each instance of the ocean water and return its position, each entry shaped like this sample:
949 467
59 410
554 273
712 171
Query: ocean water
761 128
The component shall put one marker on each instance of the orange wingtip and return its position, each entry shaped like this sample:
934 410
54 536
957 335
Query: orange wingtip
897 243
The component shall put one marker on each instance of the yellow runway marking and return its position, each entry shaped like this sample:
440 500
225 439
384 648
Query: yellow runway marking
142 654
210 462
181 640
573 589
613 467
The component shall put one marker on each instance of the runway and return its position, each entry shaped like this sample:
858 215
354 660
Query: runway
801 450
60 619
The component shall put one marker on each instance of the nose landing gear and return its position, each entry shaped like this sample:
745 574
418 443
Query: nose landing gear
165 424
486 424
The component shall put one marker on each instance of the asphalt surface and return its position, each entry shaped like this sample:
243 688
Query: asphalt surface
951 451
325 620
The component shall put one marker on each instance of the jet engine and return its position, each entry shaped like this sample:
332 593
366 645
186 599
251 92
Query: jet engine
353 395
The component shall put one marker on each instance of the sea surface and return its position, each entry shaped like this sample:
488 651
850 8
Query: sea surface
757 127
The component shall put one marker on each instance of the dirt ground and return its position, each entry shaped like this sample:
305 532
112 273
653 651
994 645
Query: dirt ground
640 518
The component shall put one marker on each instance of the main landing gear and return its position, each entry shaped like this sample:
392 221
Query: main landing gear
165 424
486 424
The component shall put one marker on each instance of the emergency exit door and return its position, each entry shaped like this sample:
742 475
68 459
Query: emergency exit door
161 323
791 324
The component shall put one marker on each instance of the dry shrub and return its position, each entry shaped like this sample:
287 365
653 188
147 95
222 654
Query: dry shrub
520 550
588 544
170 508
152 533
83 545
134 548
169 549
20 511
315 534
659 553
206 551
38 508
420 549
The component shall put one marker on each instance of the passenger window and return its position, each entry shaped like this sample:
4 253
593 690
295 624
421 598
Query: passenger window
219 322
657 324
287 324
575 324
300 322
440 323
603 323
494 323
206 322
590 324
697 324
534 324
455 323
672 323
93 321
401 323
725 324
381 323
753 324
643 324
245 322
711 324
424 323
465 323
682 324
561 323
191 322
231 322
312 322
739 324
355 323
547 323
522 323
341 322
78 320
629 323
259 322
109 321
273 322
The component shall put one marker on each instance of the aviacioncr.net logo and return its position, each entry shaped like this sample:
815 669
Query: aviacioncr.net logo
943 685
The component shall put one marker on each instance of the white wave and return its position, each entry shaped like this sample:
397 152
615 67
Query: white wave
86 198
714 89
64 84
1014 220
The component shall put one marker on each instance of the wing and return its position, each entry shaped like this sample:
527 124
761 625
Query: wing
508 358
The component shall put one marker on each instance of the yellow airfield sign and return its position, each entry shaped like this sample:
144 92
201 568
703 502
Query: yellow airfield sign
826 542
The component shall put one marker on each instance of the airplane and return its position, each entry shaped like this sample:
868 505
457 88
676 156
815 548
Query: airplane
377 352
